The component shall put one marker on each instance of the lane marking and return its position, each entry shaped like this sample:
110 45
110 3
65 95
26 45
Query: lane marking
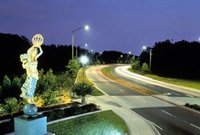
195 126
176 93
189 95
155 125
121 90
167 94
167 113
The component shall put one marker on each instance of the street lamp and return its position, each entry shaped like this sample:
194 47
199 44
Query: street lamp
84 60
80 46
150 55
129 56
86 27
121 58
144 47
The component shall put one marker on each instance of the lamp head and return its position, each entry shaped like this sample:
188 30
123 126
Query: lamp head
84 60
144 47
86 27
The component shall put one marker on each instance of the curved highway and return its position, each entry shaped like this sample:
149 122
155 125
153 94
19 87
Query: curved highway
162 111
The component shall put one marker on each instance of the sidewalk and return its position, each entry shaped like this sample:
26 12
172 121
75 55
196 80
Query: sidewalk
136 124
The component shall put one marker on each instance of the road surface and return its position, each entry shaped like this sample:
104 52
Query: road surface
167 117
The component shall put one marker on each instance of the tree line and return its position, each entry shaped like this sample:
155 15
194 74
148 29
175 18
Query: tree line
55 57
179 59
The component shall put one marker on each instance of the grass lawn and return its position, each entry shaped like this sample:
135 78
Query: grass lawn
180 82
101 123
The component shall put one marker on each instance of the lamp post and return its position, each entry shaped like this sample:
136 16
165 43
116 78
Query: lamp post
129 56
84 60
86 27
121 58
77 49
150 55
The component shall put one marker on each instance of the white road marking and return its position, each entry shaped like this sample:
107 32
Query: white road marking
167 113
121 90
175 93
167 94
189 95
195 126
155 125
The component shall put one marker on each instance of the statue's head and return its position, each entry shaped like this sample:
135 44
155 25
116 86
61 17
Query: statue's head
34 52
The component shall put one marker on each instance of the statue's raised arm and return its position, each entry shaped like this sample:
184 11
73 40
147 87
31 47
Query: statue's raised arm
40 53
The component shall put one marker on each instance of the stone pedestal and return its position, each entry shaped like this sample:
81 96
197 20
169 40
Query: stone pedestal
30 126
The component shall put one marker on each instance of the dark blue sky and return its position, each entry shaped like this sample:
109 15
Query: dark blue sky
121 25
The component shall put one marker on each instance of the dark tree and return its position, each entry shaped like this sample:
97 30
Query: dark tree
11 46
110 56
179 59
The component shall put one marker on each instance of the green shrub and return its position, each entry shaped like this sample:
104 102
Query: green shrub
6 83
187 104
49 97
82 89
16 82
46 81
73 68
11 105
136 65
145 68
55 114
194 106
1 109
73 110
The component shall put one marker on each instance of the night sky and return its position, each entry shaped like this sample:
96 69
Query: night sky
121 25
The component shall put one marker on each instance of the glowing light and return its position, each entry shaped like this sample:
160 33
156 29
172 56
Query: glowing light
84 60
86 27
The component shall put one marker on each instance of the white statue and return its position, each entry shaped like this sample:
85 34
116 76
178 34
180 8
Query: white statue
29 62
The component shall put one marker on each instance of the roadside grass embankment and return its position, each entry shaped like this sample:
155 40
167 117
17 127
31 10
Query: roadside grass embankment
180 82
80 76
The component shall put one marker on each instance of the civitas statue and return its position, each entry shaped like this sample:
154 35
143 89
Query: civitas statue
29 62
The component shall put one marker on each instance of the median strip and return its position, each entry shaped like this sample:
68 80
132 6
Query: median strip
107 72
